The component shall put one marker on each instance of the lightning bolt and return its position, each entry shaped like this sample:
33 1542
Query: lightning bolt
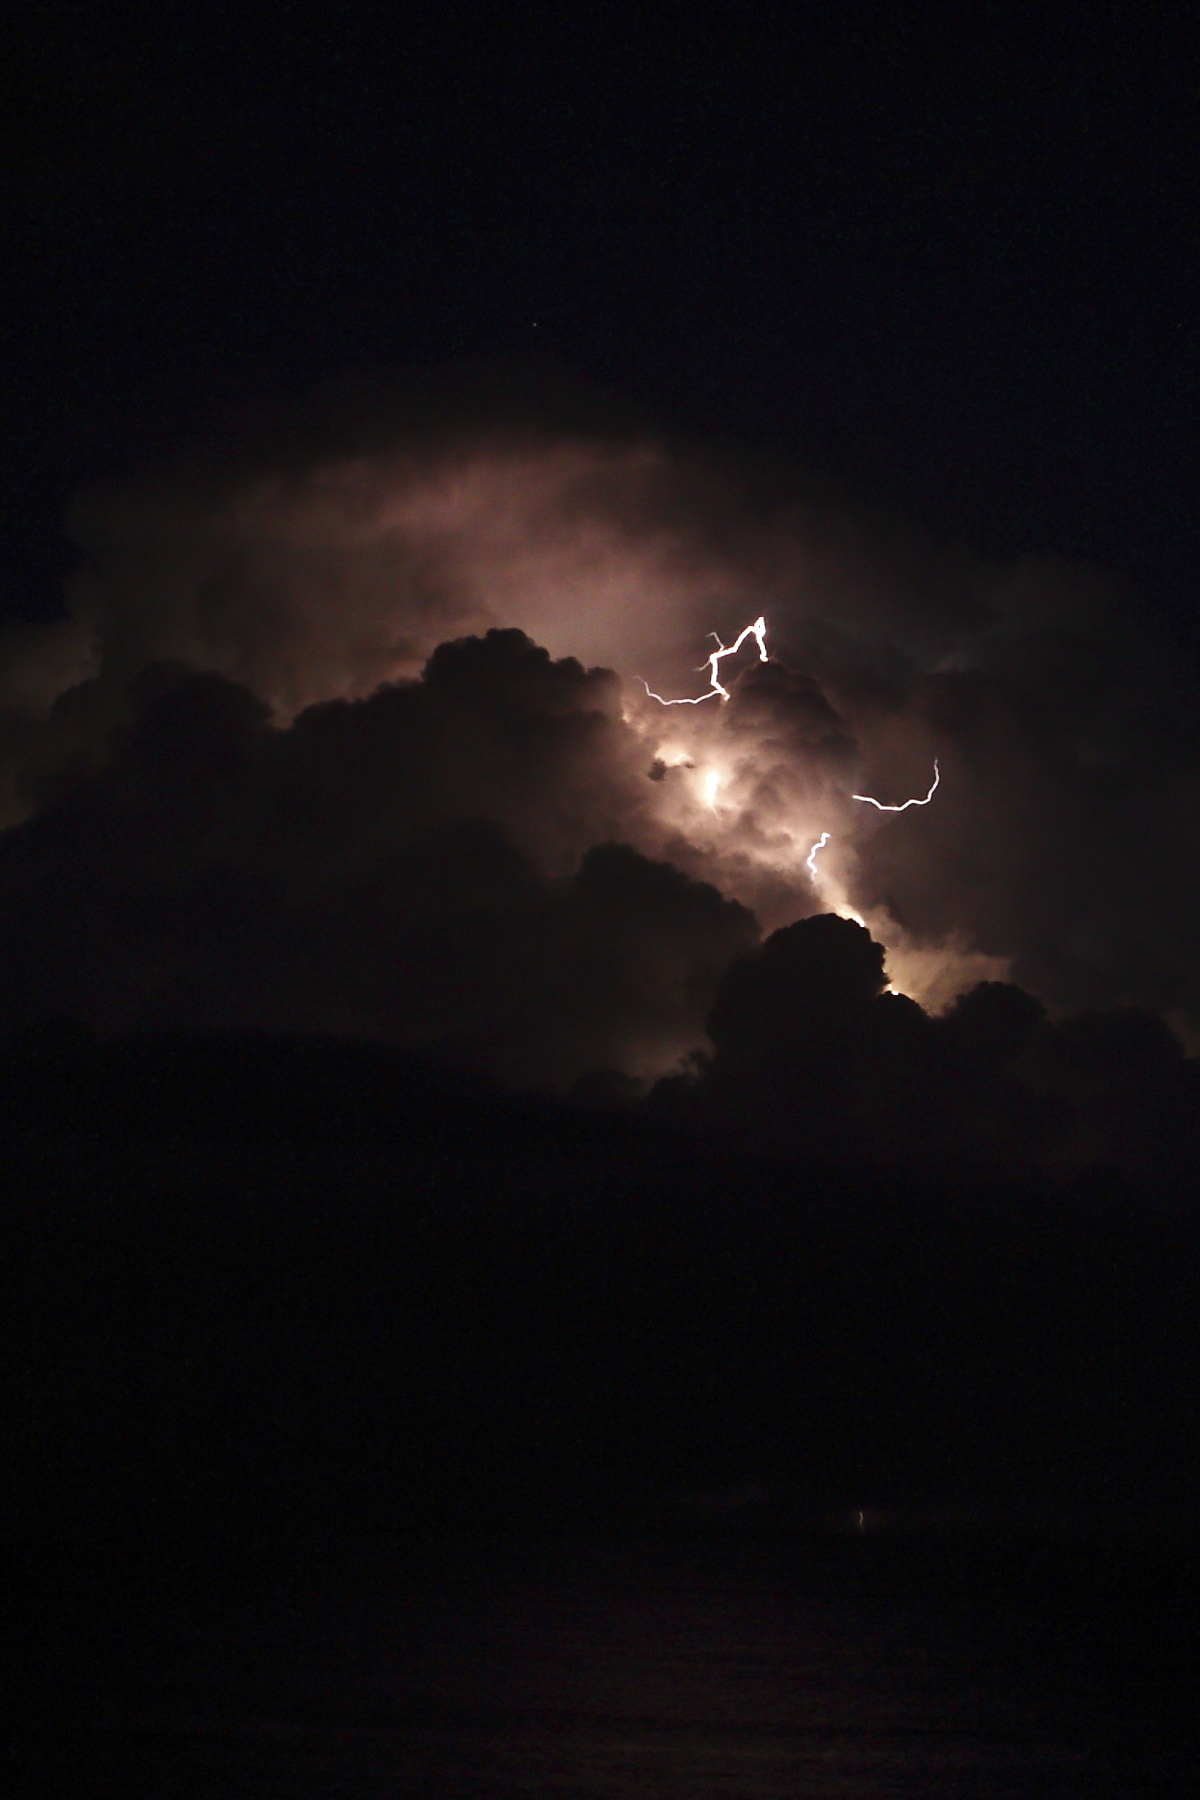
718 691
870 800
758 631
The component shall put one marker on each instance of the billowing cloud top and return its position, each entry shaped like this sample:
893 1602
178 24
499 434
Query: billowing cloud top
347 728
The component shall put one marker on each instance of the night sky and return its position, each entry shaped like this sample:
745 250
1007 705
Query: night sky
450 1081
949 265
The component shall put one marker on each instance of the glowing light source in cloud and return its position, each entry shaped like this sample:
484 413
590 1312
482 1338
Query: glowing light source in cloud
926 972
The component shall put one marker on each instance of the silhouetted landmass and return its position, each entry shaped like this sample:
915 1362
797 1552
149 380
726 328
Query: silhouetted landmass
263 1286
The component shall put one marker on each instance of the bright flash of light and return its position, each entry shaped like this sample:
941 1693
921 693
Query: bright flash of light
930 974
870 800
758 631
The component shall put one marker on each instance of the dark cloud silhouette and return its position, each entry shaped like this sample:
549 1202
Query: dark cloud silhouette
812 1053
428 866
813 1057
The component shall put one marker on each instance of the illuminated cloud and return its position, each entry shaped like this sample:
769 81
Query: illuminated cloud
329 566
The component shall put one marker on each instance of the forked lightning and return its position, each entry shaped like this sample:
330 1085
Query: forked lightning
758 631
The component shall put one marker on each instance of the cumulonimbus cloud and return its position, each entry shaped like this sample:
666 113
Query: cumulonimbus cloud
322 568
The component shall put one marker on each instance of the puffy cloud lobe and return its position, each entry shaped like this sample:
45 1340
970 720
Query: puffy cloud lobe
803 1031
428 867
814 1057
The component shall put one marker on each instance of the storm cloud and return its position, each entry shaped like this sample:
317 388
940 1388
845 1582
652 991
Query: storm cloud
346 728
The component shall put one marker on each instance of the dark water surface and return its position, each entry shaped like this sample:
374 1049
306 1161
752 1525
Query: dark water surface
835 1667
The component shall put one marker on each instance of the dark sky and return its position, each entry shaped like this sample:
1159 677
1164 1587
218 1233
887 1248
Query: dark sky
946 259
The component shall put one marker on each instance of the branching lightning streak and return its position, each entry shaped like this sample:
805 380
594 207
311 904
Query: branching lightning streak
870 800
758 631
718 691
